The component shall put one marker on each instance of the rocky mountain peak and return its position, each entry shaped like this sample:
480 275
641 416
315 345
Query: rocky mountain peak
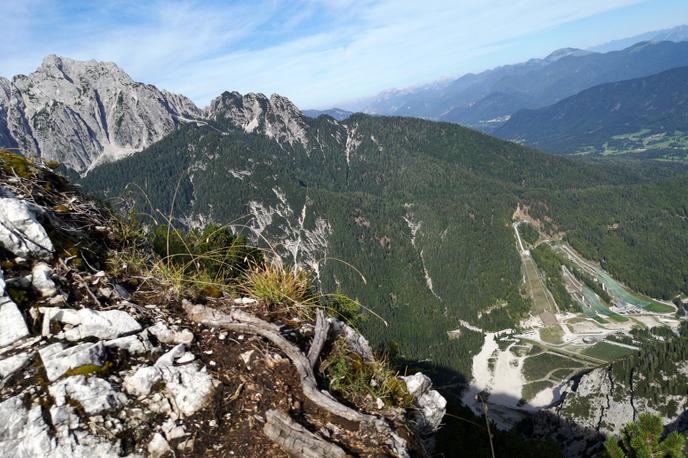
276 117
82 113
91 71
566 52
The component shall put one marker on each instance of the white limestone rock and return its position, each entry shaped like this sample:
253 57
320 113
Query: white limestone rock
41 279
417 384
94 394
168 358
608 402
11 365
25 434
167 336
12 324
158 446
135 345
20 232
107 324
141 382
57 359
355 340
431 405
190 386
2 283
172 431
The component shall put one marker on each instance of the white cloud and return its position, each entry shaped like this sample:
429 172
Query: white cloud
314 51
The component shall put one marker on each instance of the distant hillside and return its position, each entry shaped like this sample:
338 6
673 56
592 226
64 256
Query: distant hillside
336 113
647 116
486 100
678 33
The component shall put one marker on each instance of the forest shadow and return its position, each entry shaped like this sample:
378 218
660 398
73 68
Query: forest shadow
465 434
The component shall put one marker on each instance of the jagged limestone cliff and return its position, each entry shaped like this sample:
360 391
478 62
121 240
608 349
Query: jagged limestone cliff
85 113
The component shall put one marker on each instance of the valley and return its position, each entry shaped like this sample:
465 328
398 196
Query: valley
525 369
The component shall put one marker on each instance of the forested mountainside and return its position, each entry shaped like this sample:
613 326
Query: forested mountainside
487 99
421 210
644 116
638 232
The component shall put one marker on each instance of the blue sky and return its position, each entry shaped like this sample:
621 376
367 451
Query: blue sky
316 52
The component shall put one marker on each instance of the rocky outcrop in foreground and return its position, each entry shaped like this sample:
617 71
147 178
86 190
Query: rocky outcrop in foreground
92 367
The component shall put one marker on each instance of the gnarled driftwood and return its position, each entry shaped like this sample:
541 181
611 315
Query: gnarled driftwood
322 327
240 321
296 439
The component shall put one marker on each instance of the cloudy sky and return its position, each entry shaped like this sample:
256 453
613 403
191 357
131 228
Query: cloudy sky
316 52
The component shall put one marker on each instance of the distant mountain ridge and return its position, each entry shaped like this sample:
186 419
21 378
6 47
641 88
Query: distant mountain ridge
624 116
336 113
676 34
486 100
85 113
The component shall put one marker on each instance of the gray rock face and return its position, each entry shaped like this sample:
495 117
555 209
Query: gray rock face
189 385
20 233
84 112
41 279
9 366
107 324
354 339
275 117
12 324
431 405
57 359
25 434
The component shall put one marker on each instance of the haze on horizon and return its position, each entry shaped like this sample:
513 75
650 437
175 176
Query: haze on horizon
318 53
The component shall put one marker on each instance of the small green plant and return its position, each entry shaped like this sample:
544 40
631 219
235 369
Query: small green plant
345 307
89 370
360 381
214 251
275 284
643 439
16 164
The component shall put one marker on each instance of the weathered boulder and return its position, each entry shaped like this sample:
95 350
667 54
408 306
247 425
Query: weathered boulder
188 385
24 433
134 345
94 394
107 324
141 382
168 336
20 232
354 339
57 359
431 405
12 324
41 279
158 446
9 366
